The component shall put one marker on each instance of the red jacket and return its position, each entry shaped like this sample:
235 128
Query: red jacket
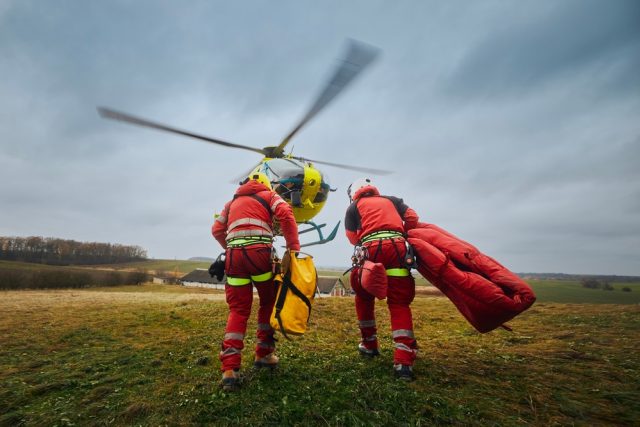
251 213
371 212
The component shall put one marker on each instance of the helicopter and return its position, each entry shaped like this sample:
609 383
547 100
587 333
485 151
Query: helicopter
303 186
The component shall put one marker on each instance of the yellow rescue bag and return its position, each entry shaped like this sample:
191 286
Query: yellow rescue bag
296 290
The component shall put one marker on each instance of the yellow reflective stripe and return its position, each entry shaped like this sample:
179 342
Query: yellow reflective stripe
380 235
248 241
397 272
240 281
237 281
262 277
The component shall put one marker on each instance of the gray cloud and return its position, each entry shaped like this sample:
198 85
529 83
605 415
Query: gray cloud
571 39
512 125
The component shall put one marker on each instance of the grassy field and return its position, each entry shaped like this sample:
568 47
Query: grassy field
182 267
147 355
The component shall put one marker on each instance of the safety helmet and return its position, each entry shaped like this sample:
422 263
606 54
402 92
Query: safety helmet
356 185
261 178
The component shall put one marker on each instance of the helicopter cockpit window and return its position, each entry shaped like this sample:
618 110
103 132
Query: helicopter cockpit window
286 175
322 193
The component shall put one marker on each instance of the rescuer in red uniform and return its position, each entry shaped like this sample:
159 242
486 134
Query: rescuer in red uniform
245 229
378 223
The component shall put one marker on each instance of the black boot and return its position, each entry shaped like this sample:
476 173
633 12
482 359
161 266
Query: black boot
403 372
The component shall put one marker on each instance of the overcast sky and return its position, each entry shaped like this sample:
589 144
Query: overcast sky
514 125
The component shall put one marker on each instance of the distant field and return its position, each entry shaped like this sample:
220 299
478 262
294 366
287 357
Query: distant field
182 267
155 265
573 292
564 291
15 265
147 355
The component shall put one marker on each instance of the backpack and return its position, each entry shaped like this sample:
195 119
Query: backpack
296 290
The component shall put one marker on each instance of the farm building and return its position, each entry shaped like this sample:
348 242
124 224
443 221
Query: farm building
327 286
165 280
331 287
200 278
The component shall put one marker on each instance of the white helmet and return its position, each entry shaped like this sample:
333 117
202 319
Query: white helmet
356 185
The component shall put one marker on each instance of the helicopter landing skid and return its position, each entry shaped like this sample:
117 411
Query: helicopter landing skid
318 227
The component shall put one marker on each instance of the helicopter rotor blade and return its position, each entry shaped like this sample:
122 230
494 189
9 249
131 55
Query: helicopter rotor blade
359 56
350 167
241 177
124 117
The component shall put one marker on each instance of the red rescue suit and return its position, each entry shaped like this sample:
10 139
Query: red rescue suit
245 229
378 223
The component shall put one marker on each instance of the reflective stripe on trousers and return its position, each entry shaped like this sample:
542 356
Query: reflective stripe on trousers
402 333
234 336
367 324
398 272
241 281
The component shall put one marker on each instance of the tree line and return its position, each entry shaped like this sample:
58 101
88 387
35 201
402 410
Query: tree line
50 250
604 285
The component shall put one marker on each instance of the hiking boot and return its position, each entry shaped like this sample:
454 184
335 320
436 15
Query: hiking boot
269 361
230 380
403 372
367 352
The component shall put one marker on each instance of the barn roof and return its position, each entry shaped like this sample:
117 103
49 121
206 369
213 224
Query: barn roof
199 275
326 283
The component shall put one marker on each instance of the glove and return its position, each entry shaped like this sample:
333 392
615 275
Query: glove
217 268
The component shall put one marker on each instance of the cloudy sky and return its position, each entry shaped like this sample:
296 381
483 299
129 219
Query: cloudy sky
514 125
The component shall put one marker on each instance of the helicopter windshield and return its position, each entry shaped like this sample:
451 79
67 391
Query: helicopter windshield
286 175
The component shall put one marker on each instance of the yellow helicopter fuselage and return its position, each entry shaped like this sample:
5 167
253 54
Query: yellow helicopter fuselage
300 184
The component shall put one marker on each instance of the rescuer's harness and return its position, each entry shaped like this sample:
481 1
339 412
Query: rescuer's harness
380 235
407 261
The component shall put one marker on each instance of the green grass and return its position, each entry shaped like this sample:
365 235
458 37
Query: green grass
147 355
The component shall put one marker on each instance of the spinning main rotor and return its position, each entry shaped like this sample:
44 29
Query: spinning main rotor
358 56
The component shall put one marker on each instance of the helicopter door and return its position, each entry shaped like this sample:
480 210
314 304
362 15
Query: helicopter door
296 198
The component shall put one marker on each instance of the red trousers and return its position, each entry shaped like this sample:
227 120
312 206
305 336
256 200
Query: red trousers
254 260
400 294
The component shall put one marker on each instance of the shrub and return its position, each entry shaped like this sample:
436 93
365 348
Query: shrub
606 286
66 278
591 284
626 289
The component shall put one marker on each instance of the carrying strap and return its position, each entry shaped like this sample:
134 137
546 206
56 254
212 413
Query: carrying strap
262 201
287 285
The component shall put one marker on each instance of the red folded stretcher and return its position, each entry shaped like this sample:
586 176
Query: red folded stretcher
485 292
